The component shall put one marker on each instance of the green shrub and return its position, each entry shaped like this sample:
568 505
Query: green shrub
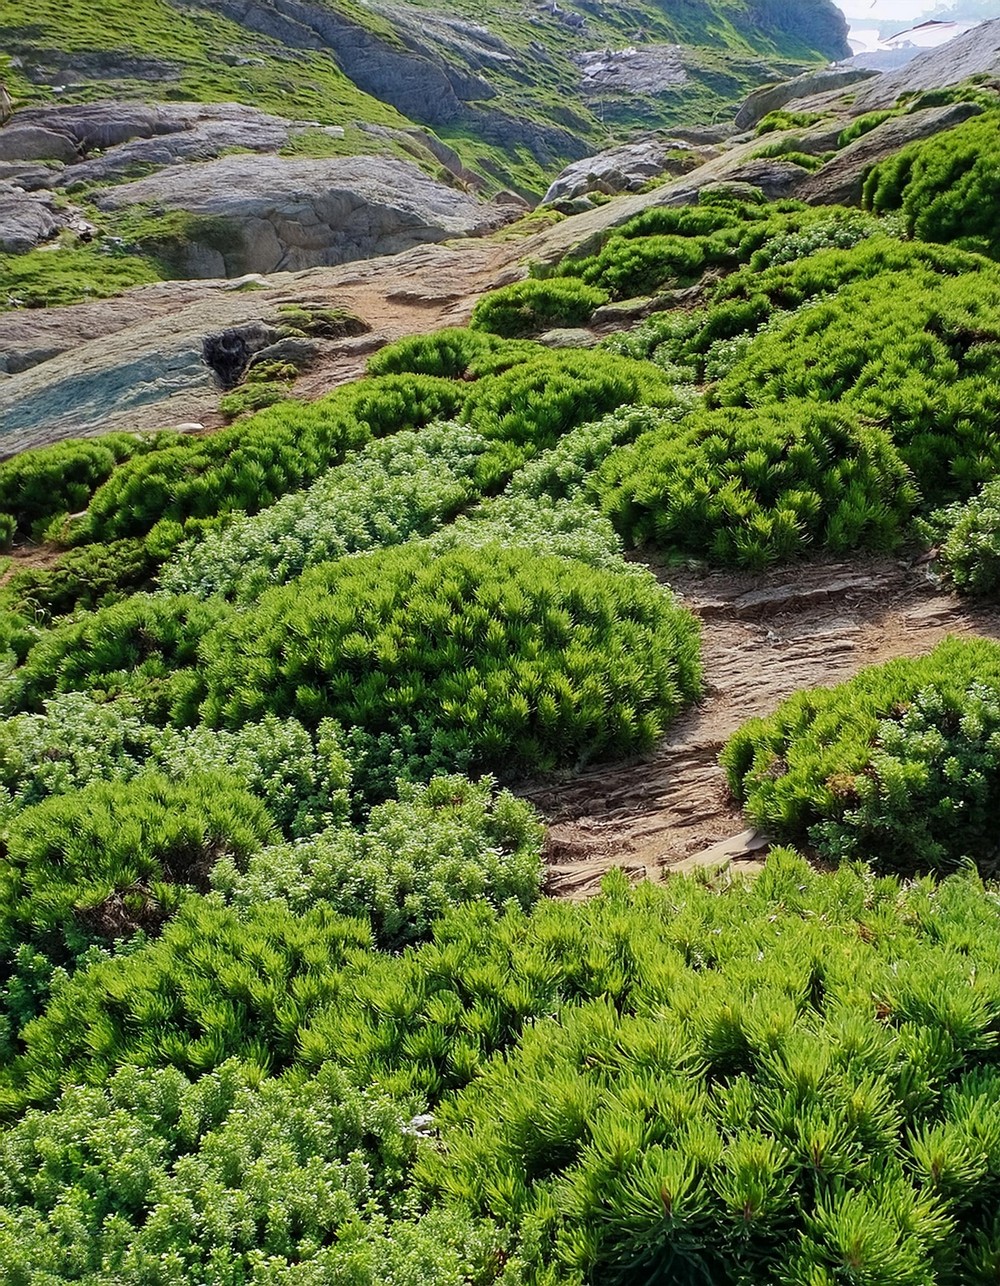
494 658
631 266
533 404
784 119
437 846
792 1081
214 985
452 353
795 282
900 765
301 777
862 125
250 465
926 369
103 860
529 307
169 1179
970 544
37 485
144 647
394 489
947 186
755 487
87 577
569 528
792 1084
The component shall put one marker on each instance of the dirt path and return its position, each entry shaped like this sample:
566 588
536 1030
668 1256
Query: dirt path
763 637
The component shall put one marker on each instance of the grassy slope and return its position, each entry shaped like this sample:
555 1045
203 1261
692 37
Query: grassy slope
193 55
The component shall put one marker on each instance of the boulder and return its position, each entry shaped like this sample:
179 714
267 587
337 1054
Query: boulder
26 220
21 141
622 169
29 176
840 181
275 214
769 98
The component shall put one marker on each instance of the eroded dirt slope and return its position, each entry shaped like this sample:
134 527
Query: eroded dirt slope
763 638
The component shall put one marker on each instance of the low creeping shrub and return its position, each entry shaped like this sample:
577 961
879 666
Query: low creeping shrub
901 765
402 486
970 542
435 847
530 307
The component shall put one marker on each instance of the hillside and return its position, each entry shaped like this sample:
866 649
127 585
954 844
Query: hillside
507 795
517 90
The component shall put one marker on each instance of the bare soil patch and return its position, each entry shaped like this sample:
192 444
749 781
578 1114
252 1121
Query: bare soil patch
764 637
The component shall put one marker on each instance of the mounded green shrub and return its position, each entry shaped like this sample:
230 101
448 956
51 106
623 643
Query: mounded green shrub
144 647
755 487
529 307
214 985
195 1181
947 186
900 765
791 1081
37 485
250 465
113 856
301 777
435 847
453 353
494 658
392 490
926 369
89 576
534 403
970 542
631 266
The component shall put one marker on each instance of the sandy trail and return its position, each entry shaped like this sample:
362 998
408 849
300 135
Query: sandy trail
763 638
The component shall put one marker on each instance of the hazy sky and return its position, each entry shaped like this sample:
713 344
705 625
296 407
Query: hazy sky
904 10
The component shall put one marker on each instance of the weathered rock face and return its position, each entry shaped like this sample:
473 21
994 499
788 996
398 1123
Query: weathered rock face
647 70
272 214
25 220
840 181
105 141
139 361
623 169
770 98
975 53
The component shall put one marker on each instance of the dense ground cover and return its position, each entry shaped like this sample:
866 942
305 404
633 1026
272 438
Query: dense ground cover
280 1001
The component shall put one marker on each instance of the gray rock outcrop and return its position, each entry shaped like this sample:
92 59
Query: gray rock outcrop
623 169
770 98
26 220
272 214
840 181
975 53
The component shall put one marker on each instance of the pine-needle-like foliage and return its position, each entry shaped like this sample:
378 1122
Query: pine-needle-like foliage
493 658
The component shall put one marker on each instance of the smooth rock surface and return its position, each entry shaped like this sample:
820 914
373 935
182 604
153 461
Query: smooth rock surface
770 98
26 219
281 214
